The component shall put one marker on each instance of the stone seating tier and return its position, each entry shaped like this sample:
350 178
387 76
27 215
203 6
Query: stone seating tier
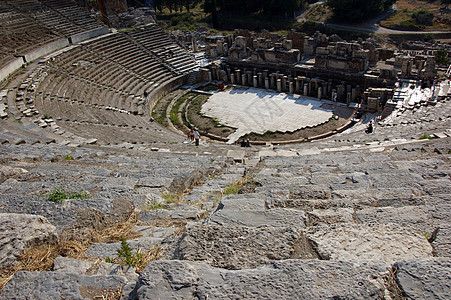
388 202
30 24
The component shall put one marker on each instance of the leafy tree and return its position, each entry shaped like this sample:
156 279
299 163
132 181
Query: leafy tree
355 11
441 57
210 6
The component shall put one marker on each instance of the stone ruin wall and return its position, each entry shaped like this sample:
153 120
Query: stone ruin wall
316 66
117 14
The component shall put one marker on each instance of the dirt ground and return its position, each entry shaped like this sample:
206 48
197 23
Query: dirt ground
206 124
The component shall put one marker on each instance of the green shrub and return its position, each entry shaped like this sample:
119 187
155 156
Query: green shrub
68 157
126 256
171 198
156 205
426 137
232 189
59 195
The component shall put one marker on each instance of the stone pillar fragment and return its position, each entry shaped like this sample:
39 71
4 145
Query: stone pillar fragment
353 94
305 89
290 87
279 85
255 81
267 83
340 91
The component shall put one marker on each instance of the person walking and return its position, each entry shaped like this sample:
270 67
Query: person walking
196 136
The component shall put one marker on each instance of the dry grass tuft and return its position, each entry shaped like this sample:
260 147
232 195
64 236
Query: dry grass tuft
117 231
390 283
42 257
148 257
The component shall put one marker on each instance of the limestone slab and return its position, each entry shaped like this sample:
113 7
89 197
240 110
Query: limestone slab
288 279
57 285
20 231
428 278
386 242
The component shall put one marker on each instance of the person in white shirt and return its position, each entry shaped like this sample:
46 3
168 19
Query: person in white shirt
196 136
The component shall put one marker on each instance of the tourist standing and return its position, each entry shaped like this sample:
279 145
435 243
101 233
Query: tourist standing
145 97
191 135
196 136
369 129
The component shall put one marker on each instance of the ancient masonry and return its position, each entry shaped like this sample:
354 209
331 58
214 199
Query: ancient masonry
97 202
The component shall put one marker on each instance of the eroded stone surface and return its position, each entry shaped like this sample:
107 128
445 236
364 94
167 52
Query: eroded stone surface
234 247
428 278
84 267
20 231
57 285
386 242
287 279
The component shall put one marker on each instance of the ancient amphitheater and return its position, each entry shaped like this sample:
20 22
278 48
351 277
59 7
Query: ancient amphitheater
98 200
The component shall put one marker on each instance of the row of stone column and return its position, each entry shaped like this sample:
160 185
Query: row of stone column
313 87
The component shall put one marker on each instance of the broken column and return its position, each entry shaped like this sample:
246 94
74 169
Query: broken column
260 79
272 81
353 94
279 85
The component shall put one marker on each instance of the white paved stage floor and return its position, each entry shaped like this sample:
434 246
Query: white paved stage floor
257 110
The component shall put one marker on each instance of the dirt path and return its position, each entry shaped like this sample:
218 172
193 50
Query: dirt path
370 26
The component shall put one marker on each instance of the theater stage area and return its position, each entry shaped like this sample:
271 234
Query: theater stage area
256 110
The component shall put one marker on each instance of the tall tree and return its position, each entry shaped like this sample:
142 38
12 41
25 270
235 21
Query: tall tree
355 11
210 6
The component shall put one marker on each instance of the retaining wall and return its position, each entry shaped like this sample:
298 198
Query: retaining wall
88 35
164 89
46 49
11 67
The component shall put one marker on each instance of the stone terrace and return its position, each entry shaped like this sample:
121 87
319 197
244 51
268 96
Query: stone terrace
28 24
95 89
353 216
354 224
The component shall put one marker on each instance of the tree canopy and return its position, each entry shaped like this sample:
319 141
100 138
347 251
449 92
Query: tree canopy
248 6
441 57
356 11
257 6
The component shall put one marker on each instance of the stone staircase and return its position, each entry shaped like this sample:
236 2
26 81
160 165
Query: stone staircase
373 216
